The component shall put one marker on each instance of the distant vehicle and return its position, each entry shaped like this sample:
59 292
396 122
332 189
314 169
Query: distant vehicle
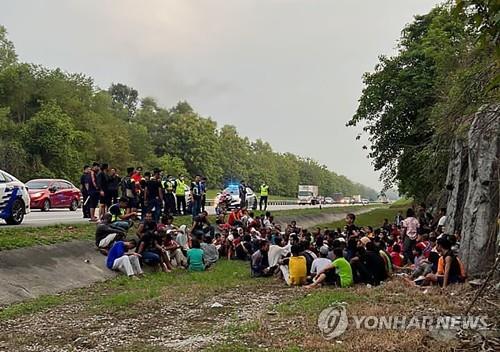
357 198
338 197
53 193
328 200
234 191
365 201
308 194
14 199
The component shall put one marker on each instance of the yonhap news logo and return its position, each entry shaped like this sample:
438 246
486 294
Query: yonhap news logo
333 322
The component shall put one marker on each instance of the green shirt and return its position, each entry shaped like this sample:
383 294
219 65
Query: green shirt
343 269
195 259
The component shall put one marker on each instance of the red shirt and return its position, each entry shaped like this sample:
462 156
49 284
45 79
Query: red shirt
396 259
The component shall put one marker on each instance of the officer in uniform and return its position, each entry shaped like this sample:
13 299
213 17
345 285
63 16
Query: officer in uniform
169 185
180 195
264 193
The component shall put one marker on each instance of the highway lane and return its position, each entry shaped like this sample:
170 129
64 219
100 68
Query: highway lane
64 216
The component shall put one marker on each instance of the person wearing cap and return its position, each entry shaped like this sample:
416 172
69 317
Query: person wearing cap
264 194
339 271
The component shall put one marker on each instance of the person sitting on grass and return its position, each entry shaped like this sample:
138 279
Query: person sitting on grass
172 248
449 269
297 267
260 261
396 256
339 272
150 245
118 259
106 234
195 257
210 251
320 264
120 217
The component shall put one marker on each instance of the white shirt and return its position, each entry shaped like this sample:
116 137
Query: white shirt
442 220
320 264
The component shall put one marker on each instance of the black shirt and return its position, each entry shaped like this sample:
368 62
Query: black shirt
153 188
102 181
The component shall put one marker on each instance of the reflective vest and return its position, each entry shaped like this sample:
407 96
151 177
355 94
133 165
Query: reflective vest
264 190
181 188
116 217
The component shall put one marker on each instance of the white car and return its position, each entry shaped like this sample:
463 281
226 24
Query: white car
14 199
234 191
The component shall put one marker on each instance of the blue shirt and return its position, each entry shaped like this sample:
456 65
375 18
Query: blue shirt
117 251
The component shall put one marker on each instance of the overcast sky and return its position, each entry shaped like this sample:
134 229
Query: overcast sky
286 71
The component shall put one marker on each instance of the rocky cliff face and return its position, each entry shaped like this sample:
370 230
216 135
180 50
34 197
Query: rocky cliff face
473 184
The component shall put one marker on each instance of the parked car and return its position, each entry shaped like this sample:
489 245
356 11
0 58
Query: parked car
234 192
328 200
14 199
53 193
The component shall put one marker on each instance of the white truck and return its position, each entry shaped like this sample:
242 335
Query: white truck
357 198
308 194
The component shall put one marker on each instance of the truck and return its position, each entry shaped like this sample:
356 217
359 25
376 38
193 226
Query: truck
308 194
356 198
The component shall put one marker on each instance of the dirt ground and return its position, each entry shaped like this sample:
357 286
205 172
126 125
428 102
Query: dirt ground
260 314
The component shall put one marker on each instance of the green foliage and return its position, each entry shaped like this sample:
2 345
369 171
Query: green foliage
52 122
414 103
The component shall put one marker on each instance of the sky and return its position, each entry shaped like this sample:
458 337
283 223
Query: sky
286 71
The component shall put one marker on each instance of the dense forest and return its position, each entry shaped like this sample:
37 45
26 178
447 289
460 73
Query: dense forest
417 102
53 122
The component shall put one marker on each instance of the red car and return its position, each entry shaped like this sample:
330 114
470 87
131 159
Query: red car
53 193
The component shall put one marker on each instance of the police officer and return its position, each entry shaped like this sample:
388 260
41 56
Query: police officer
264 193
169 185
243 194
180 195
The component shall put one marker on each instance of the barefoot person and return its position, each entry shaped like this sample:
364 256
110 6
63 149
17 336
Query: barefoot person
339 272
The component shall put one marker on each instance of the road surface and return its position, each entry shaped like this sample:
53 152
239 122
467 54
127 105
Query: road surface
64 216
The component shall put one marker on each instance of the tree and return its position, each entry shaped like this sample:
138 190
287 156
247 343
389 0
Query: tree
124 99
8 54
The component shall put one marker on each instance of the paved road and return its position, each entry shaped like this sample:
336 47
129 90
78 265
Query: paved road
64 216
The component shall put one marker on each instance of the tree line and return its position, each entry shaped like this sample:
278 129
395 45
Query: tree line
53 122
418 101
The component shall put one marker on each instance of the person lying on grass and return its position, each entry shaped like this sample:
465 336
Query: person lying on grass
127 263
339 272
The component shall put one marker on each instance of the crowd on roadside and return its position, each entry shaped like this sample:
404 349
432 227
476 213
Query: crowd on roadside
414 246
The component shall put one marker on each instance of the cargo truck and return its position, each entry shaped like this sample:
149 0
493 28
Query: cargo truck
308 194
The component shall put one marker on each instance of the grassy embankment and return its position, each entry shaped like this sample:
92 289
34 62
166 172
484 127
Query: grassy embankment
286 320
19 237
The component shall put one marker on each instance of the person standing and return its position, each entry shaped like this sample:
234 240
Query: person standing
180 195
264 193
243 194
203 188
169 185
113 186
102 185
411 227
93 190
153 195
85 193
196 195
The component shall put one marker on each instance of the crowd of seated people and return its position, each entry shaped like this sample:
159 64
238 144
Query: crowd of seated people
415 247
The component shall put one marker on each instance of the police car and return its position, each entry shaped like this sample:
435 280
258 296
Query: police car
14 199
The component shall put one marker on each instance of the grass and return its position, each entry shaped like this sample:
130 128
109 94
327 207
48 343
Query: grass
403 203
374 218
31 306
20 237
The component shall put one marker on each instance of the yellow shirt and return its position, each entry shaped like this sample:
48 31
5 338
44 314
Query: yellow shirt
297 268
